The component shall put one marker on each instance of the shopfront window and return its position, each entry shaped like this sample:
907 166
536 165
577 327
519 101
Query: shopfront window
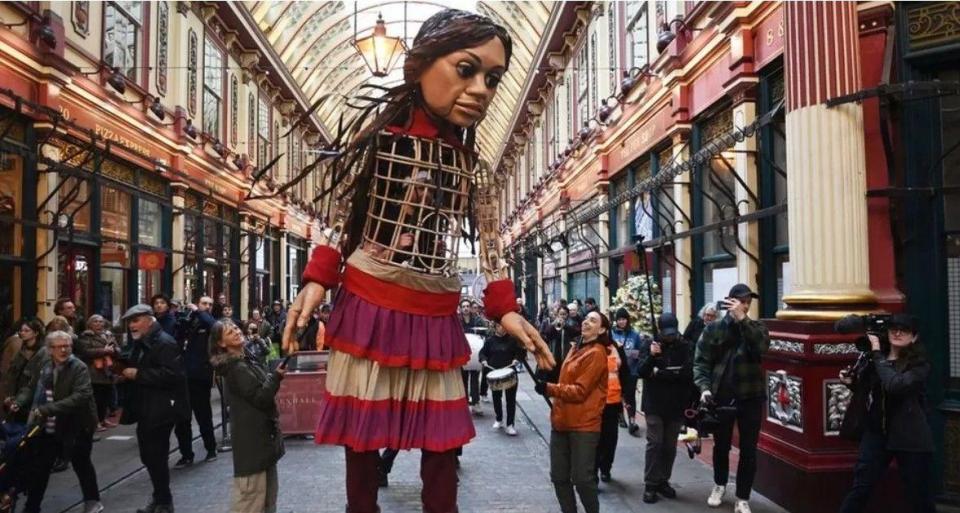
212 87
718 191
121 36
777 276
75 203
114 253
11 205
150 223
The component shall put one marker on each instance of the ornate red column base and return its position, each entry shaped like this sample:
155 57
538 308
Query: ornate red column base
803 464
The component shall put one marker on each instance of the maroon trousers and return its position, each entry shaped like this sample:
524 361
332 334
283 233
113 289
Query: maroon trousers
438 471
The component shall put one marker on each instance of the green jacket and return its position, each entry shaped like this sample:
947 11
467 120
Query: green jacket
23 372
250 392
73 404
749 338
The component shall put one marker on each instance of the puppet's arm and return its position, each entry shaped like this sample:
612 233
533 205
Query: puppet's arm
499 300
323 270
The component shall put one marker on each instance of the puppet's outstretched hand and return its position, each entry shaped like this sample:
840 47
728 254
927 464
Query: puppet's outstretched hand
308 300
529 337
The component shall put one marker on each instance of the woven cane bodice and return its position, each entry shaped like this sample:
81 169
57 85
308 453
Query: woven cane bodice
418 202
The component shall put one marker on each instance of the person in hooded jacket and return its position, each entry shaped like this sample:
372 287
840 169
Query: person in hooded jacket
98 353
666 366
254 420
895 425
161 310
24 368
626 337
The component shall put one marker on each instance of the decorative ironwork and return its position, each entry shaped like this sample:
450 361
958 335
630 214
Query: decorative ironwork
836 398
785 400
933 24
835 349
153 184
234 109
718 126
117 171
192 73
786 346
80 17
163 28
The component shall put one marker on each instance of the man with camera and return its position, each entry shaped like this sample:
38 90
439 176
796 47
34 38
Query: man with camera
196 360
728 373
666 367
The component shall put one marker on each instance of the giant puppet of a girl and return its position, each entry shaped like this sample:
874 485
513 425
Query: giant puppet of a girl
406 187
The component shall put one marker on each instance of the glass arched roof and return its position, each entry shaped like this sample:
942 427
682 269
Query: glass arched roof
314 41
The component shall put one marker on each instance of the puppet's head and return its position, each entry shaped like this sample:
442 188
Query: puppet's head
457 61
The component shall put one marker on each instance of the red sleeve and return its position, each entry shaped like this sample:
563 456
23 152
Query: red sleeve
499 299
323 268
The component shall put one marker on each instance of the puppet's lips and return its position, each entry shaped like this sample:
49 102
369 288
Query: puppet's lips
473 109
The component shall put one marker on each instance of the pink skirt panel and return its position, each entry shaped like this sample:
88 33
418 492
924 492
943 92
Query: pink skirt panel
397 424
396 339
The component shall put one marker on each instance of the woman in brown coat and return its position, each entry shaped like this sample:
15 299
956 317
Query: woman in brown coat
578 401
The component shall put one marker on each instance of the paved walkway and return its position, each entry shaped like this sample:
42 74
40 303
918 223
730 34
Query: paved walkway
498 474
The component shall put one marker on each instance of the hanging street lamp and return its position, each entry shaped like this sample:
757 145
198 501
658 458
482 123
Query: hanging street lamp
379 51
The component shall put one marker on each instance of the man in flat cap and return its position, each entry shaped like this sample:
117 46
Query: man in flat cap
727 371
158 398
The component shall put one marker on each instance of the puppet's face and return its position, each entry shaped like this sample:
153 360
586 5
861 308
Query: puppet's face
459 87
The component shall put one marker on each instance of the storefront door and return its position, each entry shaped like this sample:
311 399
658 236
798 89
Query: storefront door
76 263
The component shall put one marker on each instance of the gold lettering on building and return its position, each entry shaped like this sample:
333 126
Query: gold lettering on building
112 136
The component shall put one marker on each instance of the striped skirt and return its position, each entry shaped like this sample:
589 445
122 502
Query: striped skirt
393 377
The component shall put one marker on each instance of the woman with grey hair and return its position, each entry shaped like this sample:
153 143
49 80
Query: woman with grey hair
95 347
706 315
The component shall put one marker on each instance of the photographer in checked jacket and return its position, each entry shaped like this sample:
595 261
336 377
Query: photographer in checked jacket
727 371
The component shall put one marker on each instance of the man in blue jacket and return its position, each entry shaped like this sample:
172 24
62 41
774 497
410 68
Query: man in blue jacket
625 336
196 359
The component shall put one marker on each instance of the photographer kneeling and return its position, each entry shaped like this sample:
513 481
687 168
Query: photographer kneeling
895 424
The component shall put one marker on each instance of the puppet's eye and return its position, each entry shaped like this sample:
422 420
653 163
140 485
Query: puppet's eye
493 80
465 69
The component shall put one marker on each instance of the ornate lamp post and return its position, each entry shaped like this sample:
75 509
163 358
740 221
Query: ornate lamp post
379 51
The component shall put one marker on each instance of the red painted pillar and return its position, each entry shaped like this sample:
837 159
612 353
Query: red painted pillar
803 464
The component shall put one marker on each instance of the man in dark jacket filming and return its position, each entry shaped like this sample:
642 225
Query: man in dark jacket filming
157 401
727 371
666 366
64 409
196 361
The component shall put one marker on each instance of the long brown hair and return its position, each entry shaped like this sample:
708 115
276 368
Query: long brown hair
441 34
216 335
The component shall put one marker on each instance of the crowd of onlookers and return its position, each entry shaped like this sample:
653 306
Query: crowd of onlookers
65 382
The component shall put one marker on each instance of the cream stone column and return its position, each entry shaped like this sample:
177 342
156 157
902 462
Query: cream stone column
284 262
603 226
682 248
177 240
245 258
826 183
47 269
745 164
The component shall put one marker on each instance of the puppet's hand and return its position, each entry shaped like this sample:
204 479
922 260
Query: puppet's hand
309 298
520 329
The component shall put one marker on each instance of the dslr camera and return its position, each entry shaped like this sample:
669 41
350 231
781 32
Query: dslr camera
870 324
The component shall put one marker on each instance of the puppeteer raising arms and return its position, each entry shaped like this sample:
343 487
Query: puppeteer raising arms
407 186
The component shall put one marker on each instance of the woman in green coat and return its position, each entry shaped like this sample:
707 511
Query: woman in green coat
249 391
